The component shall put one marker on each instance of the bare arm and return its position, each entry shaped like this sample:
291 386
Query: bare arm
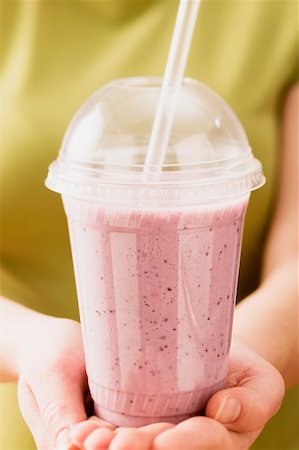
16 321
268 319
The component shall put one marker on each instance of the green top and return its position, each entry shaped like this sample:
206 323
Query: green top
54 55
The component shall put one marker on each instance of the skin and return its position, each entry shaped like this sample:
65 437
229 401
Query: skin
255 383
54 398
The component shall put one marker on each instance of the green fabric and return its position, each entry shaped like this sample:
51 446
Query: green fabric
54 54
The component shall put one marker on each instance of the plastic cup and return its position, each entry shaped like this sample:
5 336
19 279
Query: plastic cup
156 260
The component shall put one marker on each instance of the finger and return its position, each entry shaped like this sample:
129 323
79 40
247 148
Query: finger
197 433
59 393
99 439
31 415
137 438
156 428
79 432
130 439
101 423
255 396
153 428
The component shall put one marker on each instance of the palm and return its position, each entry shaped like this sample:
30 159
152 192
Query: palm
253 382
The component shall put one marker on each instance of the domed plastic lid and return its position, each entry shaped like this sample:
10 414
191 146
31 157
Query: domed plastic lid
103 151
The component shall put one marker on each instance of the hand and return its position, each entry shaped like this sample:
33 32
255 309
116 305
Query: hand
235 416
52 380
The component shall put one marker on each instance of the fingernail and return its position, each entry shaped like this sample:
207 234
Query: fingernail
229 410
63 440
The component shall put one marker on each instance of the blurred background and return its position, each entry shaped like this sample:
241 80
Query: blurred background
55 54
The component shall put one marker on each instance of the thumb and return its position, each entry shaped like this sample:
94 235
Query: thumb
61 402
58 393
255 393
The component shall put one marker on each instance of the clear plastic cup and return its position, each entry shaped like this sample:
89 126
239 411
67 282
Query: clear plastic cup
156 257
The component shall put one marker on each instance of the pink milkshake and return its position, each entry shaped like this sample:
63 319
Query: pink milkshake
156 292
156 257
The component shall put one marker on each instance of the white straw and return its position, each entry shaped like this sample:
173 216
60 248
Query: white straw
172 80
